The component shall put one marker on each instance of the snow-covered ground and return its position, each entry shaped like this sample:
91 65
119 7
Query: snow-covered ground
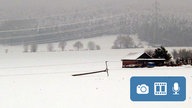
43 80
104 42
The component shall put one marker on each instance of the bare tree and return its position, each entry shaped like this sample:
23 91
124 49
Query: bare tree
62 45
25 47
78 45
50 47
34 48
175 54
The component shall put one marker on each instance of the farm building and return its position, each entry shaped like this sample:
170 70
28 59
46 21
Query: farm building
141 60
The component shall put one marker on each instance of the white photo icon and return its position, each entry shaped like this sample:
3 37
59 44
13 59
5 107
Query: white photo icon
142 89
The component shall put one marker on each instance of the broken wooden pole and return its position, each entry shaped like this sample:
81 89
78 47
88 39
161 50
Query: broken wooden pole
88 73
94 72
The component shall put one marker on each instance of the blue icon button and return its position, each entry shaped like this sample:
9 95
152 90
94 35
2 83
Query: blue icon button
158 88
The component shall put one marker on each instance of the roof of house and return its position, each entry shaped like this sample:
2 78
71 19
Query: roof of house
155 59
133 56
140 56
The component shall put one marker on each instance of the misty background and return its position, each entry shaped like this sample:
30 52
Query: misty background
159 22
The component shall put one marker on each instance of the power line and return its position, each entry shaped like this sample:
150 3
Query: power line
52 65
45 73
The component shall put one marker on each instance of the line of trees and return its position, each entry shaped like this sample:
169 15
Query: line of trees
176 58
31 48
61 45
91 46
182 56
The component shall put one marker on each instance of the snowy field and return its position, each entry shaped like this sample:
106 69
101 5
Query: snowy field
43 80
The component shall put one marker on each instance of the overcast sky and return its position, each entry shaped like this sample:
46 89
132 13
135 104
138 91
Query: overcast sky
13 8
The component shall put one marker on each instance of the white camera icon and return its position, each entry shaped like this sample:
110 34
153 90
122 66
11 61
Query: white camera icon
142 89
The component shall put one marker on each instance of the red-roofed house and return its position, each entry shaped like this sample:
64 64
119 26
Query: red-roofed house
141 60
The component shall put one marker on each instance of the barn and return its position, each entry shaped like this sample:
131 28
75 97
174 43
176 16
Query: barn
141 60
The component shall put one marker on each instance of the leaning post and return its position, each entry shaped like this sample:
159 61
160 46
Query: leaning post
107 70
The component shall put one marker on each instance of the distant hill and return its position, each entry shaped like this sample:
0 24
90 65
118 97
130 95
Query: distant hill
154 28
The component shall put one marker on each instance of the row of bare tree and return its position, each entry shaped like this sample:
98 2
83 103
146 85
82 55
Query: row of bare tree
182 56
50 47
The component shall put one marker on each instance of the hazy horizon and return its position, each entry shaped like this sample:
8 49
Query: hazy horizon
10 9
44 21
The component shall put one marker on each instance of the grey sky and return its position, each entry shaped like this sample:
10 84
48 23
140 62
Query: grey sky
31 8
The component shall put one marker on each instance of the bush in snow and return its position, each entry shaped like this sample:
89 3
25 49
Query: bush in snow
122 42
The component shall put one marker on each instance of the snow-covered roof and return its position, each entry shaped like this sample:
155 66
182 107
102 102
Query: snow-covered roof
133 56
152 59
137 56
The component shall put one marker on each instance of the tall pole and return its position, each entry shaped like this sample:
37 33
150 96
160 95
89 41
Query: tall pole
155 40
